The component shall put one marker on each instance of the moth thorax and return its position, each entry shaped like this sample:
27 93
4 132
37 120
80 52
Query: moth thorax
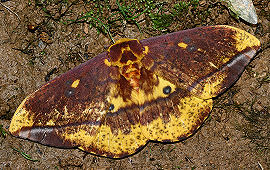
131 73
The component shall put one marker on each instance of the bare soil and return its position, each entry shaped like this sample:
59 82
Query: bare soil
235 136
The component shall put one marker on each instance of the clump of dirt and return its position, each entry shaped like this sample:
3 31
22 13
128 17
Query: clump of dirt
43 39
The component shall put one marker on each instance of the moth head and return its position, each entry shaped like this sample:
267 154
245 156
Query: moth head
126 54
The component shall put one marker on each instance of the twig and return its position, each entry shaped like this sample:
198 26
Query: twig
10 11
25 155
260 165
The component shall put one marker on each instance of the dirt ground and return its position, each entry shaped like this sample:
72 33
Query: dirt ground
235 136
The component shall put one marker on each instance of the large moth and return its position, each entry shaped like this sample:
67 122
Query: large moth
156 89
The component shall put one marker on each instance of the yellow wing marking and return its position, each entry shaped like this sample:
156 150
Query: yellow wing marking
139 97
21 118
213 65
102 139
120 143
182 125
243 38
182 45
75 83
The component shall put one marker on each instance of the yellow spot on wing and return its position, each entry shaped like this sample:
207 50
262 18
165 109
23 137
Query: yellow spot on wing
225 60
107 62
146 50
182 45
65 111
75 83
213 65
50 123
